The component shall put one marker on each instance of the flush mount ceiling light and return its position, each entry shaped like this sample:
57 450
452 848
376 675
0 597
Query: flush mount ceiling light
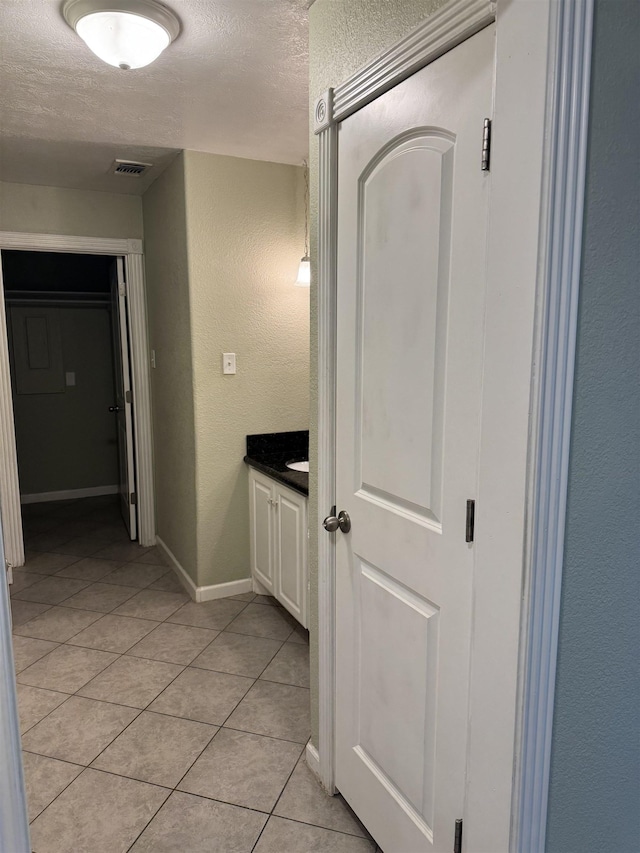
124 33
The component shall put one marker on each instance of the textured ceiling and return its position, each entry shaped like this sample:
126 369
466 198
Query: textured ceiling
234 82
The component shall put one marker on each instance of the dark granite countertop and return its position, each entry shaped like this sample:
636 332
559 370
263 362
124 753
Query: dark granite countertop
270 452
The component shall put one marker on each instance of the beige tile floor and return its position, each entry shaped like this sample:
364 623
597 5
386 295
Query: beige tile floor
151 723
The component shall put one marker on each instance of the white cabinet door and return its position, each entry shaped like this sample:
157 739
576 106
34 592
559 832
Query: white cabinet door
291 552
262 495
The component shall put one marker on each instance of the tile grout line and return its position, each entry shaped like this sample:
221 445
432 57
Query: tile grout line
279 797
146 708
192 763
139 710
206 746
118 656
176 787
138 589
177 790
90 583
160 713
22 734
101 612
224 726
84 766
235 706
126 653
261 833
59 792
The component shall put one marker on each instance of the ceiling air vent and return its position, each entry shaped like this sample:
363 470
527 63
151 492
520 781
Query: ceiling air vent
130 167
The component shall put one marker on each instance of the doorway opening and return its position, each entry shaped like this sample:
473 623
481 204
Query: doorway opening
68 343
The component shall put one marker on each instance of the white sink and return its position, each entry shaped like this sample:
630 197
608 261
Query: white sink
299 466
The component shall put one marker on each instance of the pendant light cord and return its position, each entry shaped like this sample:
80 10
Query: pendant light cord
306 208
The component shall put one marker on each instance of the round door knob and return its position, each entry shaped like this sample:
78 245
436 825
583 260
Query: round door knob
331 523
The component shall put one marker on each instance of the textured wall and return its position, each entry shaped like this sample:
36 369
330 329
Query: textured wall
245 229
343 36
167 283
78 213
595 762
78 449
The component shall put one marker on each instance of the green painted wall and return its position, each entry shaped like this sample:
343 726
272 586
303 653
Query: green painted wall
169 318
245 236
68 440
78 213
223 238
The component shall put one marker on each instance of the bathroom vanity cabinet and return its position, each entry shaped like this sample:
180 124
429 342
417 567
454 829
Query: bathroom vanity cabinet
279 542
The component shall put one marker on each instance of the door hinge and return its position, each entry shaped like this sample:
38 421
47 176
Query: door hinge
127 396
134 499
471 521
486 145
121 289
457 837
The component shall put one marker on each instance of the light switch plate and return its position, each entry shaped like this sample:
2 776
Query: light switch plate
228 362
70 378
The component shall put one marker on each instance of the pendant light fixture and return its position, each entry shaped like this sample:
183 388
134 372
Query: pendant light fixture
304 270
124 33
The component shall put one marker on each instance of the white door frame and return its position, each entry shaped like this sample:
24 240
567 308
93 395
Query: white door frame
131 251
14 821
543 51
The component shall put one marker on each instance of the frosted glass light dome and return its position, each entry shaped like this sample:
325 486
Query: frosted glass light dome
127 33
123 40
304 272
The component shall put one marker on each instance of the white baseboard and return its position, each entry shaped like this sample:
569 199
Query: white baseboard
223 590
183 577
69 494
203 593
312 758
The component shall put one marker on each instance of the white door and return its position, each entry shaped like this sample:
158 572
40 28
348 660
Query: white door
412 206
122 407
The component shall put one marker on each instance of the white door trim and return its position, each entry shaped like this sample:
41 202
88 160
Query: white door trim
14 821
543 50
131 250
561 231
11 512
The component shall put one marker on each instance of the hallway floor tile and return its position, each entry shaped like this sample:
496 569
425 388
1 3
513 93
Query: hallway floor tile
154 724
